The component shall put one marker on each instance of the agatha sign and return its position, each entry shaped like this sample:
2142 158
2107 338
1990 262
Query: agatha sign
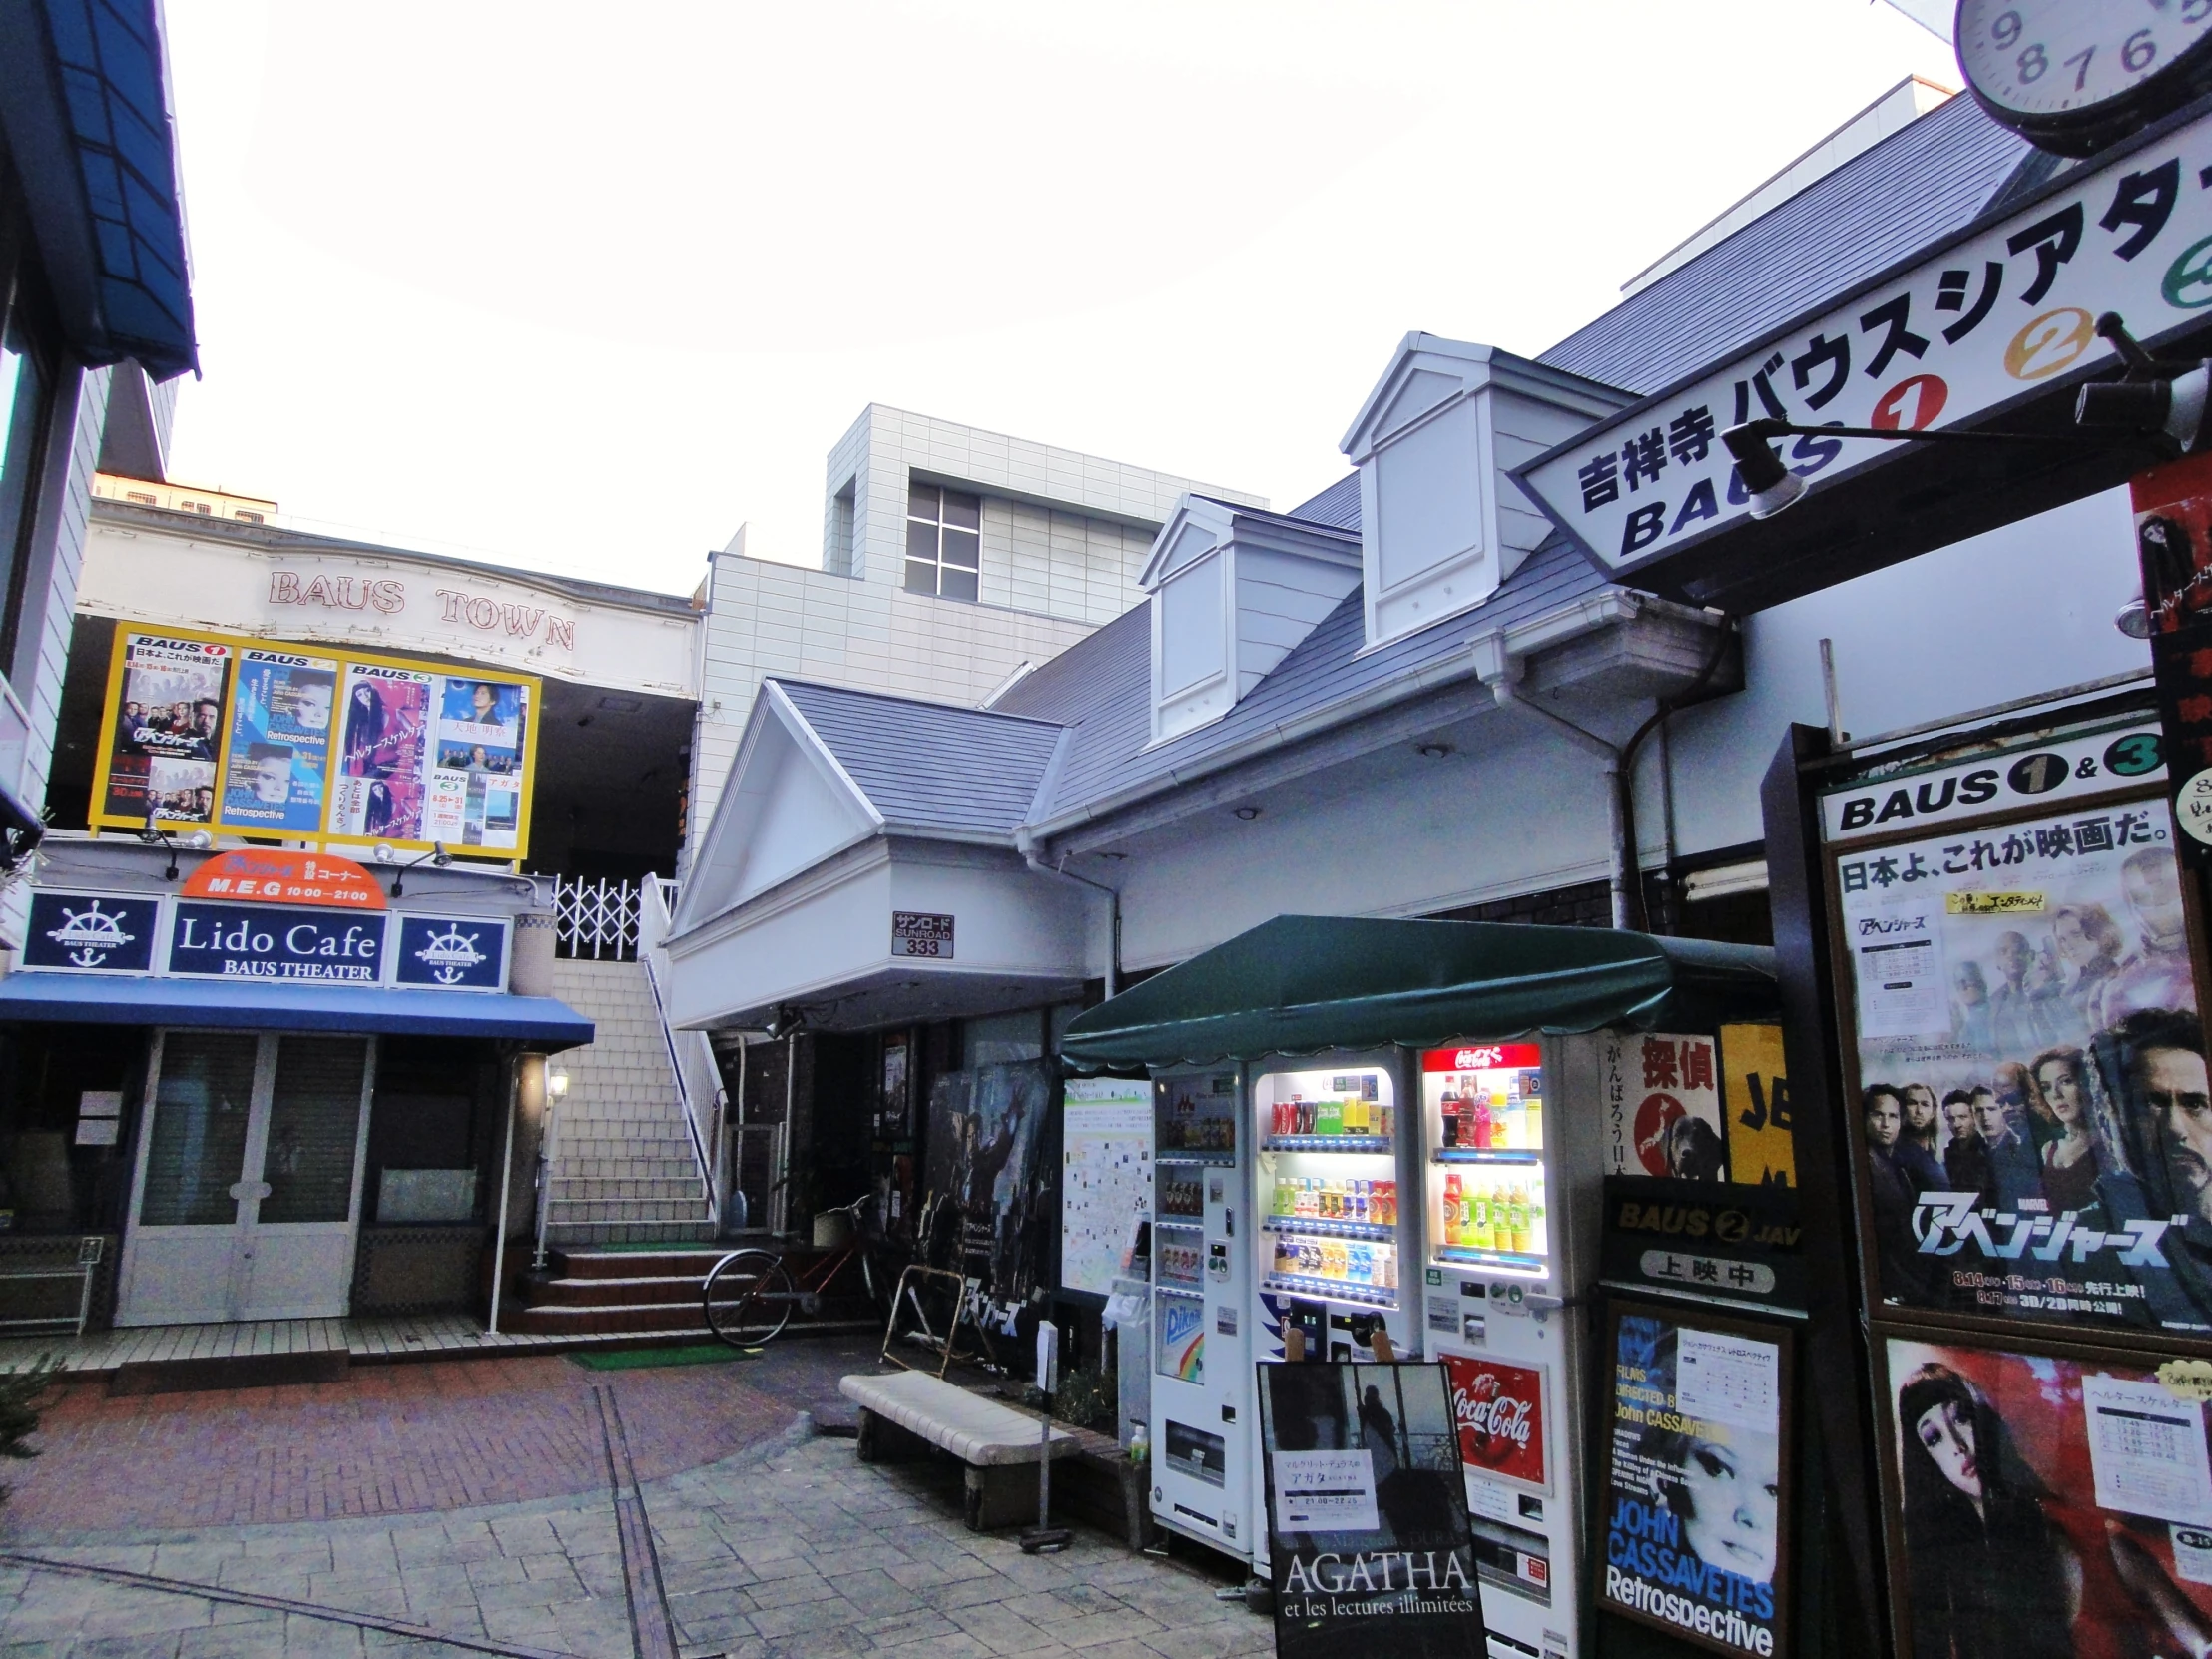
2005 313
111 934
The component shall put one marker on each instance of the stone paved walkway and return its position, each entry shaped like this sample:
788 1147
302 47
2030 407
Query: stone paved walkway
783 1546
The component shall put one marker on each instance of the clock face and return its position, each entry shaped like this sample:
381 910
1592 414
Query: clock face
2070 58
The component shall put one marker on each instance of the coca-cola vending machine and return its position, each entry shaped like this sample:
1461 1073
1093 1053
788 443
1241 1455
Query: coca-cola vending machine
1511 1145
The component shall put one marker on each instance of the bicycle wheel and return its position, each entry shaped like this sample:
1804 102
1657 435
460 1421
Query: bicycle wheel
747 1298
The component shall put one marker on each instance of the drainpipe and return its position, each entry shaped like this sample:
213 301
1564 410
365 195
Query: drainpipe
1027 846
1501 671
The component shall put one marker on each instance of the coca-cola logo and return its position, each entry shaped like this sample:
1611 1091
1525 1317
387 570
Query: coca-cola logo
1476 1059
1498 1411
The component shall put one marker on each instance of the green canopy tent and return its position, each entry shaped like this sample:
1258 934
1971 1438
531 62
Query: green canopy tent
1302 984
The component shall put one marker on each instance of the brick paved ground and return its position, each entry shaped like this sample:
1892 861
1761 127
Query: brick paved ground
767 1542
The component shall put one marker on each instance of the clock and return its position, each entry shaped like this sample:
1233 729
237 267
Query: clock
2071 75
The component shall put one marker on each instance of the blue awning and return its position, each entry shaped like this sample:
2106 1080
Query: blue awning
86 114
539 1022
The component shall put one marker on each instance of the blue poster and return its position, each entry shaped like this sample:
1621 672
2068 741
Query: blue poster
476 777
85 934
253 941
279 744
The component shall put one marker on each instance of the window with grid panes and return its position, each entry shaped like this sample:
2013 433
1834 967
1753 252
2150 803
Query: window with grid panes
944 542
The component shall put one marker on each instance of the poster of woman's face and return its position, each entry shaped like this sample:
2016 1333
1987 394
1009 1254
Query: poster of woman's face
2051 1506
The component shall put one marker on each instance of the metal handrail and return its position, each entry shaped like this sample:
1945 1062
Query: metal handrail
706 1171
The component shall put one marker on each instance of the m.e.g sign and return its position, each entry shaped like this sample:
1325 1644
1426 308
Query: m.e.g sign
917 933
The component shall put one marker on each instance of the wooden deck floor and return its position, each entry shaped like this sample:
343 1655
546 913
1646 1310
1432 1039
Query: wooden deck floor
424 1336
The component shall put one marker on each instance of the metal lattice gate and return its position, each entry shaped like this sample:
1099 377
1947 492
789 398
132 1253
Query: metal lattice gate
598 921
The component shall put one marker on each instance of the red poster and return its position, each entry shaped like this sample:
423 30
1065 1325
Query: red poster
1500 1410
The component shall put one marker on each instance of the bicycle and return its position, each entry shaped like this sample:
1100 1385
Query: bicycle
750 1295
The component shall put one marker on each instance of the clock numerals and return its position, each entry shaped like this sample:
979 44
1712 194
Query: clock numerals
2140 51
2196 11
2008 28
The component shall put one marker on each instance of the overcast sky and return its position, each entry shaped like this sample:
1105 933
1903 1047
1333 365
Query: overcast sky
584 287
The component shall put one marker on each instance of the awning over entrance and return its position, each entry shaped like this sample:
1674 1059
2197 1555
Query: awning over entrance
1299 984
542 1022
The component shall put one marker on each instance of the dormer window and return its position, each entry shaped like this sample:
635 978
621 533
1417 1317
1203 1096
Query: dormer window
1441 522
1233 589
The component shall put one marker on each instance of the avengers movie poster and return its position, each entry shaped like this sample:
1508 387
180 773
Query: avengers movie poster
2035 1126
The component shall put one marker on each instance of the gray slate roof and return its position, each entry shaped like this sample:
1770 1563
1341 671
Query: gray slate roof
928 764
1924 181
1101 686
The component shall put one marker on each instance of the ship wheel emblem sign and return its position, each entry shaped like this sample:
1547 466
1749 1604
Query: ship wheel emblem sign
449 955
87 936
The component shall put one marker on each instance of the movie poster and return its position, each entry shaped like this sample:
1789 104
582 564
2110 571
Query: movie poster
476 775
1368 1543
1662 1103
2032 1087
383 753
2052 1506
167 725
280 742
2173 537
1695 1508
994 1204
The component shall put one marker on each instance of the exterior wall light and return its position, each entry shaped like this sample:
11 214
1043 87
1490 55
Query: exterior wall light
1435 751
1247 814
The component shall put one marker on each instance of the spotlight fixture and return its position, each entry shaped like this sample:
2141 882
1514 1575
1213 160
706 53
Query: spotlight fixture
1772 486
2163 402
1247 814
788 1020
436 855
153 834
2133 619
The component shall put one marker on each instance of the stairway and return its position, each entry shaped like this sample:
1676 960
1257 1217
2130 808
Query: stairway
624 1168
645 1291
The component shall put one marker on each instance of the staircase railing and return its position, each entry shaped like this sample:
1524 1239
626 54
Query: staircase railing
690 1055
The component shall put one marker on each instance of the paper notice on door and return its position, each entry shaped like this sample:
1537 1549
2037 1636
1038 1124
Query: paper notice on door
1898 949
1325 1491
2147 1450
1720 1377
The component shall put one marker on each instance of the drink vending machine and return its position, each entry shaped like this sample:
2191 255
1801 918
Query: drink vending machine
1512 1194
1201 1383
1332 1238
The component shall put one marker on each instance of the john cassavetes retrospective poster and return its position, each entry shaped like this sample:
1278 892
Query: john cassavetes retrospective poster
2052 1508
2033 1089
1367 1531
243 734
1695 1511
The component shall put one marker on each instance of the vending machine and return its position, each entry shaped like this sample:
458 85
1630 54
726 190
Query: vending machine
1201 1380
1509 1144
1330 1251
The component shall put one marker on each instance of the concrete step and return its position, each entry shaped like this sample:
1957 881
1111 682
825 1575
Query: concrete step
587 1233
608 1321
571 1212
578 1265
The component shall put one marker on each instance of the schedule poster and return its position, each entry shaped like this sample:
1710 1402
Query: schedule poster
1694 1519
382 766
2031 1068
164 728
1106 1186
2049 1505
278 748
1368 1541
476 779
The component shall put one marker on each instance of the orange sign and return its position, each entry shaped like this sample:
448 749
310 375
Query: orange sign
273 875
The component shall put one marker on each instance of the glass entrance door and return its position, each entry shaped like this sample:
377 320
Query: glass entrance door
247 1196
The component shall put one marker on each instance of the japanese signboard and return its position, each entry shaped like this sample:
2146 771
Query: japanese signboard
276 875
1660 1096
1694 1515
914 933
1733 1242
1368 1541
2005 313
2025 1045
2043 774
1755 1096
239 734
2047 1503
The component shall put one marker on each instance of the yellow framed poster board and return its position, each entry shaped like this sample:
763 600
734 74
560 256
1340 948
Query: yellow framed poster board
326 744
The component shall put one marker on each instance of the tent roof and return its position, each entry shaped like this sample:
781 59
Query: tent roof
1302 984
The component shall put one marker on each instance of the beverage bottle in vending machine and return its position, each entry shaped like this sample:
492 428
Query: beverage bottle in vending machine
1479 1231
1516 1209
1451 1211
1486 1126
1449 1111
1538 1243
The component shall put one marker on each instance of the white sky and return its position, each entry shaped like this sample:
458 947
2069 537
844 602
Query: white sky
582 288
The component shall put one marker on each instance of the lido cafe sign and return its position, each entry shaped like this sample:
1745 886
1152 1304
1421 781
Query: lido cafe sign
267 916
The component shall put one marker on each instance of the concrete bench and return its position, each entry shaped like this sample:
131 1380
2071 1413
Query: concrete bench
901 1416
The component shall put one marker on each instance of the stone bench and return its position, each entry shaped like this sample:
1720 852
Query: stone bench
903 1415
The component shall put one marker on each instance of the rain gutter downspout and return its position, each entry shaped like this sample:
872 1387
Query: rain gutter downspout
1026 844
1501 669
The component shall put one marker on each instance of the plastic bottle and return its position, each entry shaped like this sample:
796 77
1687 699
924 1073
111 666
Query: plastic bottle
1532 1112
1479 1234
1140 1446
1451 1211
1486 1126
1517 1215
1538 1241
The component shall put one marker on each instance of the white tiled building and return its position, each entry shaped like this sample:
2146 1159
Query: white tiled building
1028 549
